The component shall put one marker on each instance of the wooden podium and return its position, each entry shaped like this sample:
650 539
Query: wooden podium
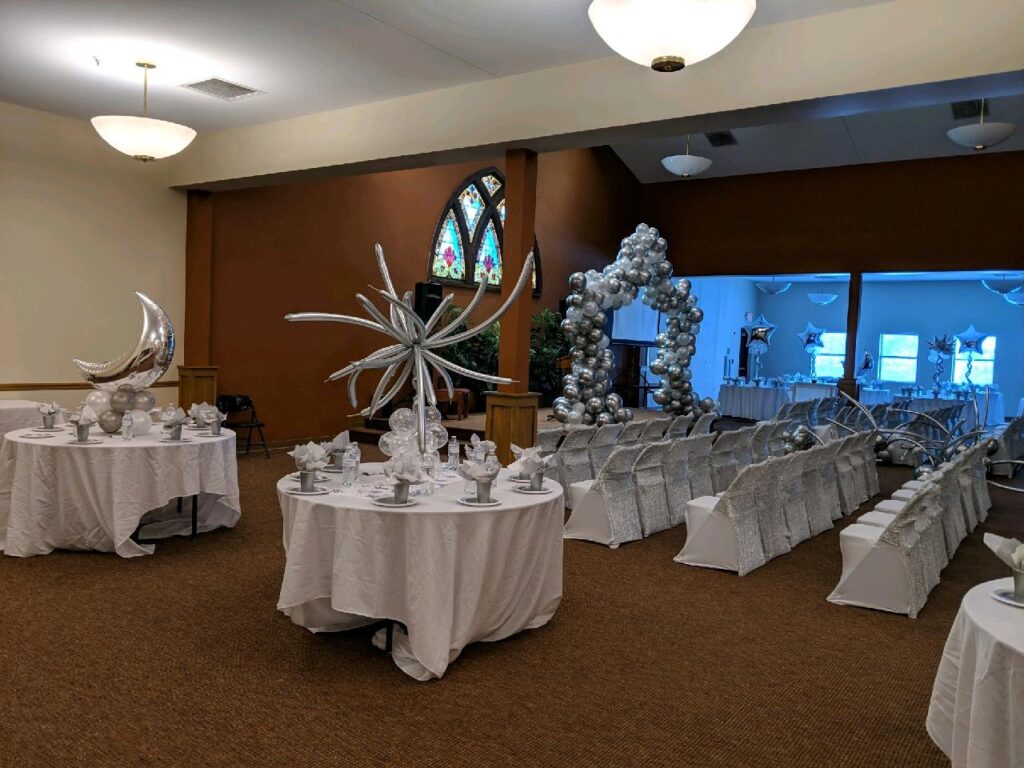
197 384
511 418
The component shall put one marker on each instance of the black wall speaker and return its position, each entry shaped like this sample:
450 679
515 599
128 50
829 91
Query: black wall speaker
427 299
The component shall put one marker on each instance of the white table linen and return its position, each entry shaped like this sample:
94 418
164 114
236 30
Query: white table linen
452 574
58 495
756 403
811 390
19 414
874 396
976 715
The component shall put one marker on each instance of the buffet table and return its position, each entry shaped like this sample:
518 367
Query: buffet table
451 575
756 403
56 494
976 714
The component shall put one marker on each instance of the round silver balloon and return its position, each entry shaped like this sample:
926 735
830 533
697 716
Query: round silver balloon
110 421
145 364
144 401
121 401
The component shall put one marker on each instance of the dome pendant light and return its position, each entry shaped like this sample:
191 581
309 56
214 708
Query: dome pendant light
143 138
686 165
981 135
667 35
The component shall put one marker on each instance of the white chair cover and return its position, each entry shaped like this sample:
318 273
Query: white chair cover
572 459
700 465
831 479
677 478
608 513
771 512
849 476
631 433
548 440
759 450
954 525
650 488
728 456
817 498
680 426
703 425
791 489
602 445
655 430
777 439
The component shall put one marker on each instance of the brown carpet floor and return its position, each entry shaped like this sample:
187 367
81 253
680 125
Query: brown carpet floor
181 659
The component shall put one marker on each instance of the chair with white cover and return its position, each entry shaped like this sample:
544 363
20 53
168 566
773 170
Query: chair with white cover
978 468
727 457
650 488
771 513
817 496
830 475
783 413
605 509
849 475
893 568
759 450
548 440
724 531
572 459
701 483
792 497
703 424
655 430
677 478
602 445
680 426
631 433
777 439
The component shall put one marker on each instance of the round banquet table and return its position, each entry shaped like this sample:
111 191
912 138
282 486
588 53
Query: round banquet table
55 494
757 403
451 574
976 714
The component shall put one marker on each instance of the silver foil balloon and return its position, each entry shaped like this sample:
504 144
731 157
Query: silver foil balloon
110 421
144 365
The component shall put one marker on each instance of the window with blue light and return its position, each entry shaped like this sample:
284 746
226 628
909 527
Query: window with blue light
829 360
983 363
897 358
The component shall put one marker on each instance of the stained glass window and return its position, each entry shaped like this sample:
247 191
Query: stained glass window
467 246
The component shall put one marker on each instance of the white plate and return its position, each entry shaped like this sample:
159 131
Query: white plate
182 440
295 491
90 441
37 437
389 501
470 501
541 492
332 468
515 478
49 429
1004 595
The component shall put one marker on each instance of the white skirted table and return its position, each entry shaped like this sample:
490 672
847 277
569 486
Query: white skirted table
812 390
756 403
450 574
874 396
55 494
976 714
19 414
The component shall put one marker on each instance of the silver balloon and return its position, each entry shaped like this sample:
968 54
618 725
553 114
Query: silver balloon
594 405
110 421
144 401
121 401
604 418
144 365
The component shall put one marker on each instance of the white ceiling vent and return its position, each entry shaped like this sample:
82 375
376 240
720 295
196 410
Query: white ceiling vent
224 90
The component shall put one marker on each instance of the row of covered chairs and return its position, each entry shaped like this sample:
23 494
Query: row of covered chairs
1009 447
775 504
894 554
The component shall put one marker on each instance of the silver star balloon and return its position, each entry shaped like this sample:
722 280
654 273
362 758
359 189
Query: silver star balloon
415 350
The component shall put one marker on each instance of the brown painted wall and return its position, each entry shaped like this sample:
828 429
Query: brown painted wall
948 213
309 246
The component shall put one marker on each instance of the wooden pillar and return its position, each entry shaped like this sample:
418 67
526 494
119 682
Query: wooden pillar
848 383
512 411
196 376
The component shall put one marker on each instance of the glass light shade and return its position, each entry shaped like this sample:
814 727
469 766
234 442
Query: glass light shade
1015 298
1004 285
978 136
143 137
685 165
772 288
669 34
822 299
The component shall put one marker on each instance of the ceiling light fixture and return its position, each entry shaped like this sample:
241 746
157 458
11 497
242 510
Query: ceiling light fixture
822 299
685 165
981 135
143 137
1003 284
667 35
772 288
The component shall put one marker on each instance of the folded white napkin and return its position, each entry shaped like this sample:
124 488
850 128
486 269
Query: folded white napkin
172 417
528 460
405 467
309 457
84 418
487 446
481 471
339 443
49 409
1010 551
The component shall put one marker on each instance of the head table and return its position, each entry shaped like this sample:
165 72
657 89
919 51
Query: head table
976 714
55 494
451 574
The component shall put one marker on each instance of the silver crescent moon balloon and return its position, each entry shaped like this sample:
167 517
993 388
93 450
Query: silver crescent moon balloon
144 365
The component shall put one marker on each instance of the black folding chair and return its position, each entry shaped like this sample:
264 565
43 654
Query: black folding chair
244 412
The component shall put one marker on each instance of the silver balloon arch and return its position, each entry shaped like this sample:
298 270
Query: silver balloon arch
587 396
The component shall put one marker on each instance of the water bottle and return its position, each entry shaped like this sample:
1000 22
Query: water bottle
127 422
357 455
453 454
349 467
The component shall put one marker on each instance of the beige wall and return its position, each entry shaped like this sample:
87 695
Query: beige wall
81 227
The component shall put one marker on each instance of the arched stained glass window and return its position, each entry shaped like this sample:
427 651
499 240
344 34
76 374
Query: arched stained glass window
467 245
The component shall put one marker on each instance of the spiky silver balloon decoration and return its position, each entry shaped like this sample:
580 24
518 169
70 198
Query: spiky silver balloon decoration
415 351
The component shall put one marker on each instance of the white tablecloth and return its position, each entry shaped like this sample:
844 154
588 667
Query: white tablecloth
976 714
757 403
453 575
875 396
56 495
996 409
808 390
18 414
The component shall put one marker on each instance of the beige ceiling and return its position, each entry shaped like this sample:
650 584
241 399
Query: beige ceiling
307 56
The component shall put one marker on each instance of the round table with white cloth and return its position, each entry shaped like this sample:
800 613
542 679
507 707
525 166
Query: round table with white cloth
756 403
19 414
55 494
451 574
976 714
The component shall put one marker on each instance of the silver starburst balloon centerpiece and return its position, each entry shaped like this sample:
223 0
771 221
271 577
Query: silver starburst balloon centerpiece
414 353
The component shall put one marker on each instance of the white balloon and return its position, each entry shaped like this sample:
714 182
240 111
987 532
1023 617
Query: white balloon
98 400
141 422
